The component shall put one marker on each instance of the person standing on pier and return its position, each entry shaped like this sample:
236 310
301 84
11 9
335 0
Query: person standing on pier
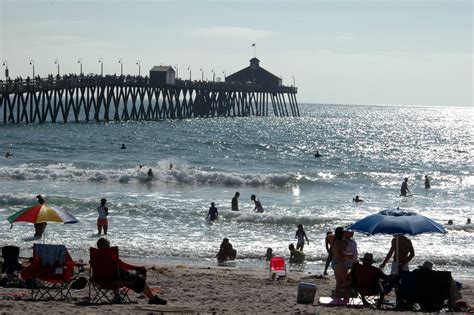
102 221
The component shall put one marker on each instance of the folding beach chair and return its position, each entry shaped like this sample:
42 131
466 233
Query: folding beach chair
104 278
10 263
277 267
367 287
52 271
424 290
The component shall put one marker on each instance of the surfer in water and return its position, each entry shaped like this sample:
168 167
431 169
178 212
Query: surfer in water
258 204
404 189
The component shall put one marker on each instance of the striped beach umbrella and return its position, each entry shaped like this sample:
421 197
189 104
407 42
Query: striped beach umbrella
42 213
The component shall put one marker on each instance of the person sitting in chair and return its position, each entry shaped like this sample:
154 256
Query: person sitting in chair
135 281
226 251
366 279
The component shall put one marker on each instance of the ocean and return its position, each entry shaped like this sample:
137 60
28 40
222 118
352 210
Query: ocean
365 150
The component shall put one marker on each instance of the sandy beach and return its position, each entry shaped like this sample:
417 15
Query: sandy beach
207 290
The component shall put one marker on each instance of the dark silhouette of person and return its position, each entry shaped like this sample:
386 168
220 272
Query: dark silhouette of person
427 182
317 155
213 213
235 202
150 173
226 251
404 189
40 226
123 146
357 199
258 204
8 155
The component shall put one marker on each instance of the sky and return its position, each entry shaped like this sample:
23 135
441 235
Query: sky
417 52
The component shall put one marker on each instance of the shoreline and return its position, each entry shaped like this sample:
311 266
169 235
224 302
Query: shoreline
212 289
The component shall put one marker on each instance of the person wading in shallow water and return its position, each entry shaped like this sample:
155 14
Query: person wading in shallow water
102 221
404 189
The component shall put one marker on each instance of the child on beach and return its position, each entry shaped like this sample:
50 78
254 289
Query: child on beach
269 255
301 236
102 220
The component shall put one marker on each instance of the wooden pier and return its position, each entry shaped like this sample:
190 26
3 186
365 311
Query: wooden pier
78 98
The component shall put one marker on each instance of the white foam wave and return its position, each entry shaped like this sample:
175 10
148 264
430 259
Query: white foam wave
180 174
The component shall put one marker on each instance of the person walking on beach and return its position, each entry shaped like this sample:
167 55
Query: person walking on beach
427 182
328 243
301 236
213 213
404 189
403 255
40 226
102 221
258 204
235 202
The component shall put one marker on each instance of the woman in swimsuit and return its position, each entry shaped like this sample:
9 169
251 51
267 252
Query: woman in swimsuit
338 263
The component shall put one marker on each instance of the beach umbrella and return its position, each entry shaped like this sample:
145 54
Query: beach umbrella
42 213
396 221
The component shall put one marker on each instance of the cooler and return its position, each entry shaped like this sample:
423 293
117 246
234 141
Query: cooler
306 292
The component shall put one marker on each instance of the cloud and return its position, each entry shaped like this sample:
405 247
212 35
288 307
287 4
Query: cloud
232 32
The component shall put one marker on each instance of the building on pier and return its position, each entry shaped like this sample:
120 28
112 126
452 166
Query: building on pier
162 75
254 74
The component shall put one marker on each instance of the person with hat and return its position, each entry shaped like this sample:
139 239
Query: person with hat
366 279
102 220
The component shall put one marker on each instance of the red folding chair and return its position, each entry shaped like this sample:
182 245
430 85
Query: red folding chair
51 271
277 267
104 280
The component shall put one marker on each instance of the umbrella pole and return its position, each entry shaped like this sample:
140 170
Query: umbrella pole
396 253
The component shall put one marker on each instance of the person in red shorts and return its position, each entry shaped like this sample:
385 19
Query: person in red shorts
103 213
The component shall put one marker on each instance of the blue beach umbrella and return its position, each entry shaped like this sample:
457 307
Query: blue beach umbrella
396 221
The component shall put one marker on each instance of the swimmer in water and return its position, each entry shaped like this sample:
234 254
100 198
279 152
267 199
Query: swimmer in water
404 189
357 199
258 204
8 155
213 213
317 155
123 146
150 173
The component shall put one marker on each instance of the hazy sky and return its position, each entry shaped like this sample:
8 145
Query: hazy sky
350 52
